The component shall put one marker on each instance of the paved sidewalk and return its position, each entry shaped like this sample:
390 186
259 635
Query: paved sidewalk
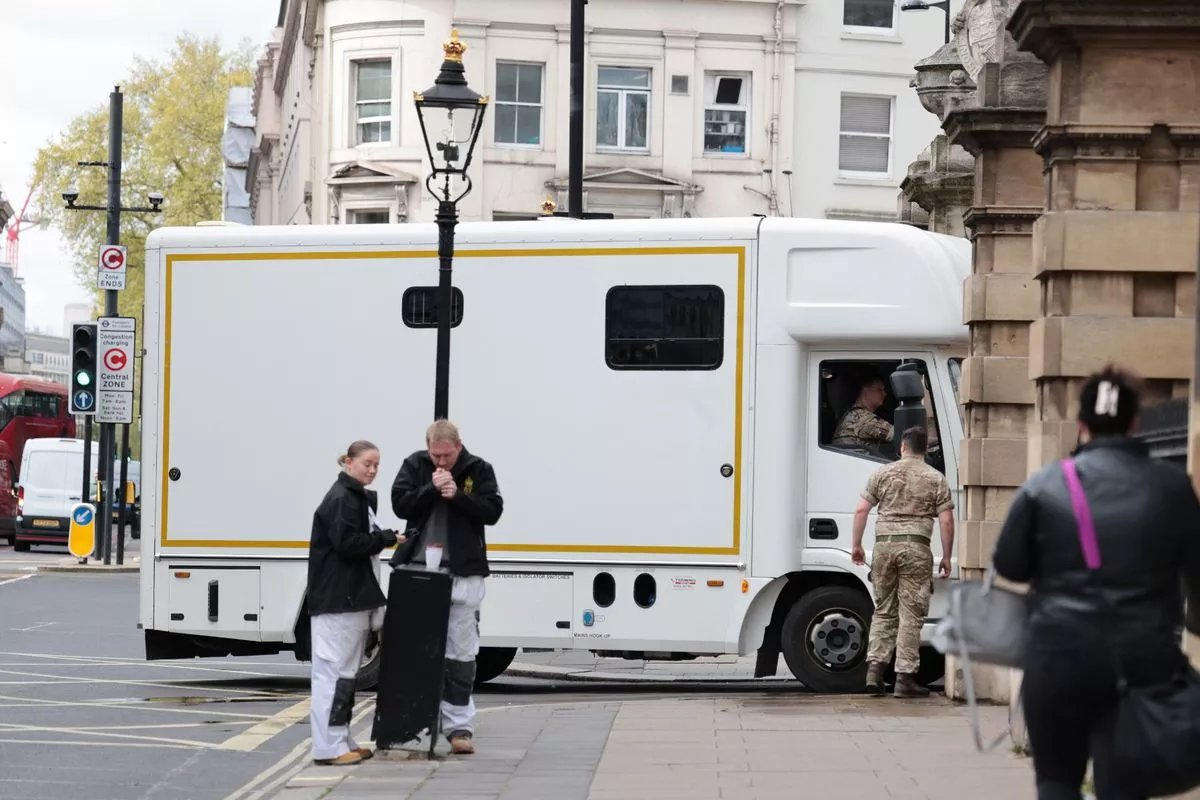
580 665
762 748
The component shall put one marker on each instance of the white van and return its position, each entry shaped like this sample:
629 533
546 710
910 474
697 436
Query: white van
51 484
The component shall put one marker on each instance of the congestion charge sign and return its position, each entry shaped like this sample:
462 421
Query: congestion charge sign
115 338
112 268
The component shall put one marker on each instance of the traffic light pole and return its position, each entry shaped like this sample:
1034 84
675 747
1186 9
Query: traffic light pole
107 429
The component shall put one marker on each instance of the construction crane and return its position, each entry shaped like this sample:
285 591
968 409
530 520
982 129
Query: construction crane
12 235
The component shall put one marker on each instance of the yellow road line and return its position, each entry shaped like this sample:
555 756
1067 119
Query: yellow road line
248 791
267 729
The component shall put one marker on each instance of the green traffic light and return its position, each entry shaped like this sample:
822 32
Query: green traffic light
83 379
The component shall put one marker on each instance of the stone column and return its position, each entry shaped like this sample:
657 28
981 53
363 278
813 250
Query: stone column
1118 246
941 181
1000 298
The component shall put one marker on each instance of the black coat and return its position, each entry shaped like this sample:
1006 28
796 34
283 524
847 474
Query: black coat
476 504
341 575
1147 521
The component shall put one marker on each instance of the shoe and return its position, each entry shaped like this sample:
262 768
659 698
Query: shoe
875 679
344 760
365 753
907 687
461 744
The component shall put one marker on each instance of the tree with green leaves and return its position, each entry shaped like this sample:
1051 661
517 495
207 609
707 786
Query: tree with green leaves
174 117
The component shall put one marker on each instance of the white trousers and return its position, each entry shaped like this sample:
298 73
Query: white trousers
462 645
337 649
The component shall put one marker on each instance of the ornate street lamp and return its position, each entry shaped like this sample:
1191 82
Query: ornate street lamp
455 113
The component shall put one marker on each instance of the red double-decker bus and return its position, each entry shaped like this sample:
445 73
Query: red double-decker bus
31 409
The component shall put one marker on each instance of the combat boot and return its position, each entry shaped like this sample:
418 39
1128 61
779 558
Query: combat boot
875 678
907 686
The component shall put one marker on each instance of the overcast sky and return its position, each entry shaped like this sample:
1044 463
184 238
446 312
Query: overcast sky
61 58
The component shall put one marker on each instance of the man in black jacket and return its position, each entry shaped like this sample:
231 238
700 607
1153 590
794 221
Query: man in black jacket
447 496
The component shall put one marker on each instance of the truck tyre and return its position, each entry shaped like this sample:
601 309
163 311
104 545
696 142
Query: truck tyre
368 672
491 663
824 639
19 546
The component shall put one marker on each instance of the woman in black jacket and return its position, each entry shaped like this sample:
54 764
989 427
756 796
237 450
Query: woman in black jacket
343 591
1147 522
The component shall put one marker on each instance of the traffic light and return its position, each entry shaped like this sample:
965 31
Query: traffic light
83 368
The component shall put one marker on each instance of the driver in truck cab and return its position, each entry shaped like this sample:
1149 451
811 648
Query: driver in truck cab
859 427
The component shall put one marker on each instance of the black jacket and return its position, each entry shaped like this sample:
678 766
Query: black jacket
1147 522
341 575
476 504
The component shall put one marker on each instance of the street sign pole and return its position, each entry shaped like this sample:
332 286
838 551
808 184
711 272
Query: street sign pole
115 119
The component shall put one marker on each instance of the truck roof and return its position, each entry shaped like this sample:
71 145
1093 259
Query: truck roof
556 229
843 280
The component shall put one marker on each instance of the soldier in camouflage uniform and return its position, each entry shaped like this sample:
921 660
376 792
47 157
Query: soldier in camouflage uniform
910 494
859 427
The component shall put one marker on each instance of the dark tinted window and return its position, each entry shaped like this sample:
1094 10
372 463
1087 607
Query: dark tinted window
665 327
419 307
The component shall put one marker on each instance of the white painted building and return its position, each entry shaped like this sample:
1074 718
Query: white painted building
698 108
49 357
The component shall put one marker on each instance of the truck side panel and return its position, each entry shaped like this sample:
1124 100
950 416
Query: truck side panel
586 454
584 458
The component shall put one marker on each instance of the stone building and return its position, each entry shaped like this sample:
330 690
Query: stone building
691 108
1071 156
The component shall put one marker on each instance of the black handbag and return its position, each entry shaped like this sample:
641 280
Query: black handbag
1156 735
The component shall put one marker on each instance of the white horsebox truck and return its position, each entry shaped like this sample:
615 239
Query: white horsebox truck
658 397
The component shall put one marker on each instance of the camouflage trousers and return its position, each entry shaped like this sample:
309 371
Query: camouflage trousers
902 573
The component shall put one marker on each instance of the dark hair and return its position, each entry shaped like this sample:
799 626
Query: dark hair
1109 402
917 440
355 450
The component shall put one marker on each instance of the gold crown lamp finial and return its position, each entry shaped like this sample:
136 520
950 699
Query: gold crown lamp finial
453 48
548 207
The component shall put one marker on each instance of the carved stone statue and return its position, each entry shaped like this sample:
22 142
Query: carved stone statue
978 30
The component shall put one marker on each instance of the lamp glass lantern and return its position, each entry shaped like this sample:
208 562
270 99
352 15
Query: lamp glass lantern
451 117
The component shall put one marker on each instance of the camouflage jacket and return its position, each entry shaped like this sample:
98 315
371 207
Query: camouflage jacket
910 494
861 428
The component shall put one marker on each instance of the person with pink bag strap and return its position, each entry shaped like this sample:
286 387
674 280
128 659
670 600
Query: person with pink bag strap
1097 623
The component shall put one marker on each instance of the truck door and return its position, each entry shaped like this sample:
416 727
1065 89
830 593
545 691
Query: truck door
838 473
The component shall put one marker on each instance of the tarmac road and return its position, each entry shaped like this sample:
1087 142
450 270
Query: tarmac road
83 715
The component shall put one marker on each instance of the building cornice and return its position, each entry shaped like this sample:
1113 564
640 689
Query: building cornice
287 48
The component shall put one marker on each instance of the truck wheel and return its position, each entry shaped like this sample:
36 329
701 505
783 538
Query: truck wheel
368 671
19 546
824 639
491 663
